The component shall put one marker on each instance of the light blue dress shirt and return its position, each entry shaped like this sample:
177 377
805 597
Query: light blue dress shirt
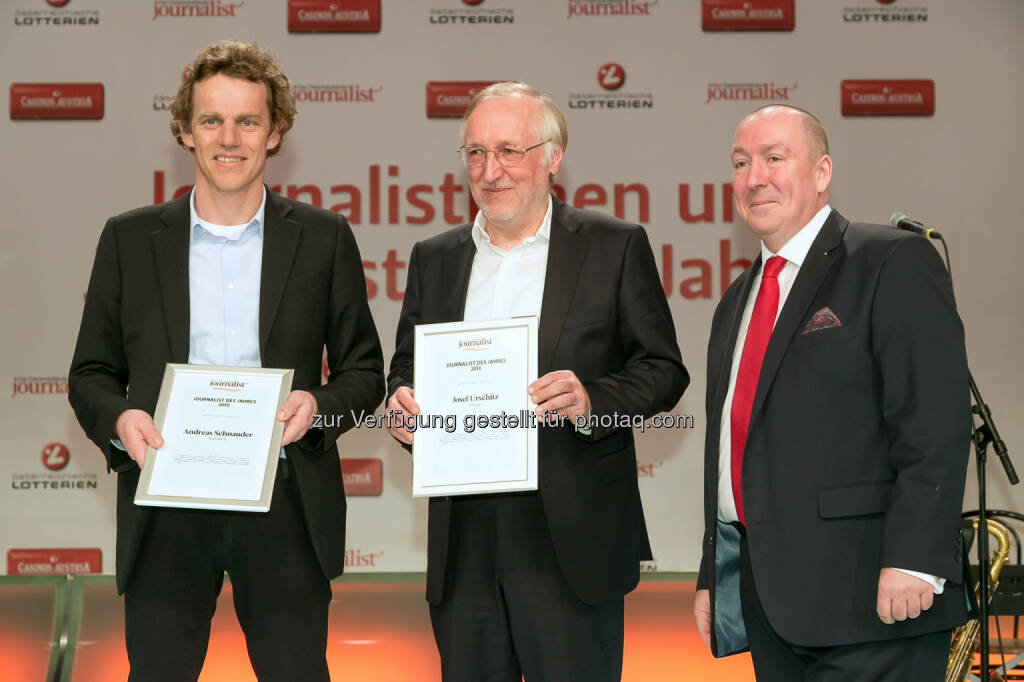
224 264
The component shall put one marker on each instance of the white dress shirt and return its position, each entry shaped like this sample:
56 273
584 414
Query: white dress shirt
795 252
506 283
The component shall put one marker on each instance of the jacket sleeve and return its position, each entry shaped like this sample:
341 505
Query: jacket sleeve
356 365
918 347
98 378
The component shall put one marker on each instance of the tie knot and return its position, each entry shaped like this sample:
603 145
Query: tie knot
773 267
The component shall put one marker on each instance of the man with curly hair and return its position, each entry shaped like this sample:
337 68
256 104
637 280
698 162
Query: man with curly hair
228 274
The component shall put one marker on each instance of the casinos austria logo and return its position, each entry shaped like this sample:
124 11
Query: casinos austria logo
55 13
610 8
611 76
195 9
362 476
56 100
337 16
449 99
470 12
888 97
54 561
747 15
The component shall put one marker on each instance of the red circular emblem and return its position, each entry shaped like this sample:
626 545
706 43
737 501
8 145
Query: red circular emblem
56 456
471 2
57 3
611 76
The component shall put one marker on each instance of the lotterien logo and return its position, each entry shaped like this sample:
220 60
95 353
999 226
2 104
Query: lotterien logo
55 456
57 16
611 76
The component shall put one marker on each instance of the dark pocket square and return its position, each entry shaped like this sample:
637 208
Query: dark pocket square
823 319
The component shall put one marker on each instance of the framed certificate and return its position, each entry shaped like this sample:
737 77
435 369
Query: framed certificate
221 437
476 431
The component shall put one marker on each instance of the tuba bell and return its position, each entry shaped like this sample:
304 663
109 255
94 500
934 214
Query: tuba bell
965 637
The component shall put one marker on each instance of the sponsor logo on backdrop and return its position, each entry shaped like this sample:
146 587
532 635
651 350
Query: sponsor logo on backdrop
54 561
55 456
53 13
747 15
471 12
885 11
56 100
333 16
610 8
47 474
888 97
748 92
449 99
335 93
355 558
611 77
192 9
362 476
23 386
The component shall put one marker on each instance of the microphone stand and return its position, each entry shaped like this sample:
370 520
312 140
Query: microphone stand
984 434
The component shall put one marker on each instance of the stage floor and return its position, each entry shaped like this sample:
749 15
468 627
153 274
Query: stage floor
379 632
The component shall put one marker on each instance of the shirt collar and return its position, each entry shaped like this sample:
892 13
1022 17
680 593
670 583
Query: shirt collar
230 232
483 240
796 249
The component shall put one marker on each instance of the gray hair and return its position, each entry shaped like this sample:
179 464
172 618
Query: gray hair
552 124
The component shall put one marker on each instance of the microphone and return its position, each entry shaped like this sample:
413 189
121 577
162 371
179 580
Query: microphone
902 222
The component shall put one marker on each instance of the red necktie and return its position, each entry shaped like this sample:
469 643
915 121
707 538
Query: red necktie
766 305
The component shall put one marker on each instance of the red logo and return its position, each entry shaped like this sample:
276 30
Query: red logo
747 15
449 99
362 476
53 561
57 3
471 2
888 97
55 456
339 16
611 76
56 100
886 2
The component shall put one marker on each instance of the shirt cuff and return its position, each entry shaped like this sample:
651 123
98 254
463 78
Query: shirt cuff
116 442
938 584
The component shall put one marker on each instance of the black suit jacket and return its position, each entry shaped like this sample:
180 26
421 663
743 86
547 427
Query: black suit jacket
136 319
857 447
603 316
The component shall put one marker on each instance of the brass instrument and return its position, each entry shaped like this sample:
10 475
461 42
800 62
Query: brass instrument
965 637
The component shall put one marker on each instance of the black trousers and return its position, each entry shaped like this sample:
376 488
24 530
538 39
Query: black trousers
280 593
909 659
508 612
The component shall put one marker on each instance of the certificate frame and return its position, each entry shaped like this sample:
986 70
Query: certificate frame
146 497
427 452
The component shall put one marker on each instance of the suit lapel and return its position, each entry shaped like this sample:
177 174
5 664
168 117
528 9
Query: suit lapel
733 316
458 263
820 259
566 252
170 252
280 240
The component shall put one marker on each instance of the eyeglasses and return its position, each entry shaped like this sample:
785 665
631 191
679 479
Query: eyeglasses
474 155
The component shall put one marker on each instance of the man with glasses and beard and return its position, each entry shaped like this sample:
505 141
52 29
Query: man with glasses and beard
532 583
